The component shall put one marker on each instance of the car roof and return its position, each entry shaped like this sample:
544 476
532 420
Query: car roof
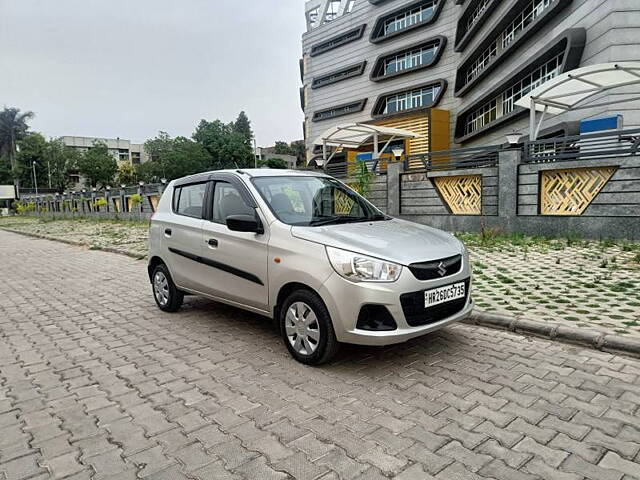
276 172
249 172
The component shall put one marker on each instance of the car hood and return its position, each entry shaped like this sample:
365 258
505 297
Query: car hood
396 240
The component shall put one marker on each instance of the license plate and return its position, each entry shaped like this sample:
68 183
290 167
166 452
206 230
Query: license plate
443 294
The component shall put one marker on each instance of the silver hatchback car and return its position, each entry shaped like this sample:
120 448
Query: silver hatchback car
304 249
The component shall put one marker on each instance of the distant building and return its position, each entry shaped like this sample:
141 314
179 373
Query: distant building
265 153
125 152
122 150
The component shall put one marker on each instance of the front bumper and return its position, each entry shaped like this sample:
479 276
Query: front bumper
344 299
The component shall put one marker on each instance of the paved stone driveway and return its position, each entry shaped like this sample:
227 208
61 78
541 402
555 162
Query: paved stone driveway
95 382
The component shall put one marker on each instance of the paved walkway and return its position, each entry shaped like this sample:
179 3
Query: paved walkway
95 382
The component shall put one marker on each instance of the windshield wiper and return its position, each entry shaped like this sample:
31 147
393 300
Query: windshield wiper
345 219
335 219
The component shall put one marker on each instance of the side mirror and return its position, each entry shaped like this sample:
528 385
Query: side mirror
244 223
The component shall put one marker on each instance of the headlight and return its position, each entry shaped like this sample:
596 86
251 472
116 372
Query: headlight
361 268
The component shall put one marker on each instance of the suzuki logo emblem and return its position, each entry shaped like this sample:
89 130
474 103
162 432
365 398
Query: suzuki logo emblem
441 270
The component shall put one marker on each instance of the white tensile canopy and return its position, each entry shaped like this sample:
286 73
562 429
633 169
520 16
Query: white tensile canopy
353 135
571 90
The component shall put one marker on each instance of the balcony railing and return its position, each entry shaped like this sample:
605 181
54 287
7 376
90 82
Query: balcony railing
474 157
613 143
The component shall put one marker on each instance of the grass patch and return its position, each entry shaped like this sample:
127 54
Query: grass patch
505 279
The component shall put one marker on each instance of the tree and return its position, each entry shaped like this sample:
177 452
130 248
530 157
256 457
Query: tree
227 146
98 165
60 160
13 128
282 148
296 149
242 125
127 174
273 163
150 172
32 151
185 158
173 158
155 147
299 150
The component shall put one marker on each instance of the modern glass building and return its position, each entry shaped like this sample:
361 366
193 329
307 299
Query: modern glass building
451 70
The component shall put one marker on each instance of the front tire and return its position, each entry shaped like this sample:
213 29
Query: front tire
166 294
307 330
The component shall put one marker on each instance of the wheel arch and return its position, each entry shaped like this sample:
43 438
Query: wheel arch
286 290
153 263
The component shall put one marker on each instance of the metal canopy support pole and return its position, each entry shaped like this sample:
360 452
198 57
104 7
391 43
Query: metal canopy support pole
544 112
324 154
532 120
376 151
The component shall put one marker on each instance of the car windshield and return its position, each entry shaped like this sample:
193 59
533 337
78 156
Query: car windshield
314 201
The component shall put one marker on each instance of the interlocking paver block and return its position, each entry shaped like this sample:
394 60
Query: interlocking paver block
339 462
300 468
89 386
512 458
576 464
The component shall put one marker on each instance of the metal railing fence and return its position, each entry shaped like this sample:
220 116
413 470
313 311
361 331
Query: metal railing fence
614 143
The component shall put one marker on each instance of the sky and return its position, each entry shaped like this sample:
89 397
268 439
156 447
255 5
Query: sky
129 68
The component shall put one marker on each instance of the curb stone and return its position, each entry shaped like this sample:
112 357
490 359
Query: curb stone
556 331
127 253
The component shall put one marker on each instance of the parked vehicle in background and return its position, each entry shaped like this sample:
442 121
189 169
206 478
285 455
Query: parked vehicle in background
306 250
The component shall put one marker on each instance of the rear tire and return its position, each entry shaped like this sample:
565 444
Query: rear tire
166 294
307 329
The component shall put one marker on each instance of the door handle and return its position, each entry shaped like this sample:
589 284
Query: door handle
212 242
167 232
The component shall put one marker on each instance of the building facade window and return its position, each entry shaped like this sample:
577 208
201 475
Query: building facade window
533 10
405 19
349 7
339 110
471 20
339 75
422 97
410 100
409 18
476 13
410 60
522 21
503 103
413 57
337 41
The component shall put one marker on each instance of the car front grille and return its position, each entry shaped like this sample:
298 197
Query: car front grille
434 269
417 316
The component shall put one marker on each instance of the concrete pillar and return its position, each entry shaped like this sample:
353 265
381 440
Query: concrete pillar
508 161
393 187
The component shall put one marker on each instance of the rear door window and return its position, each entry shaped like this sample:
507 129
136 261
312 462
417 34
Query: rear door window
188 200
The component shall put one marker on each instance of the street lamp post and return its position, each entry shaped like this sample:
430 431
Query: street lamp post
35 179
